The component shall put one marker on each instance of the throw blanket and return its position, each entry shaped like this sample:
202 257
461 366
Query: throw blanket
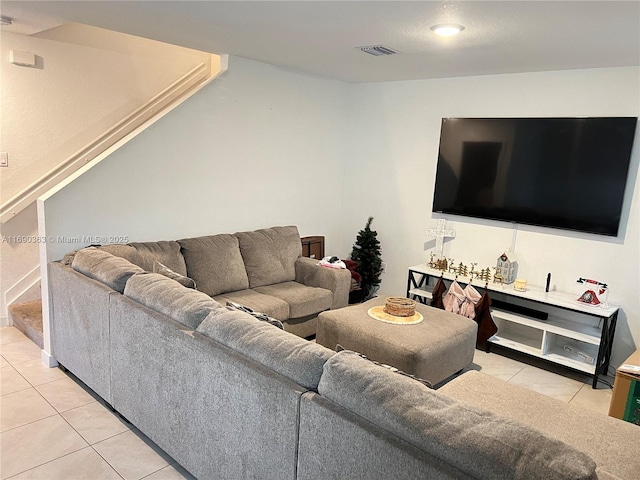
352 266
332 262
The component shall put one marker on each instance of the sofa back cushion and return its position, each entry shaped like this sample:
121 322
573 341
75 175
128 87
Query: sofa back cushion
166 252
125 251
215 263
164 295
104 267
118 249
270 254
280 351
480 443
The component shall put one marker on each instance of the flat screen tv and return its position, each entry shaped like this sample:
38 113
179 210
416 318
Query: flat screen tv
567 173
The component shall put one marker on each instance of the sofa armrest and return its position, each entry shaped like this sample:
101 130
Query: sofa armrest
309 273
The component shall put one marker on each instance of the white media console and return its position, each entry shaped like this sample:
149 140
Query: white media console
552 326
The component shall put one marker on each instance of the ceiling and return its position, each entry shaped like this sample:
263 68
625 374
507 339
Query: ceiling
320 38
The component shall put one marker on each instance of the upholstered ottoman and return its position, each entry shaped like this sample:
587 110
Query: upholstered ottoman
434 349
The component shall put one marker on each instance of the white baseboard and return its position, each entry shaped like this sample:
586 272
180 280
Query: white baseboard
4 321
48 360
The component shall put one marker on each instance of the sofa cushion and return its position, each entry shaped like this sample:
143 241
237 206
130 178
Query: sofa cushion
282 352
426 383
125 251
166 252
302 300
613 444
104 267
164 295
270 254
215 263
272 306
67 260
167 272
478 442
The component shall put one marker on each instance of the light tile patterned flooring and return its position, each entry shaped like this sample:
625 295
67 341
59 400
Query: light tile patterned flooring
52 428
553 381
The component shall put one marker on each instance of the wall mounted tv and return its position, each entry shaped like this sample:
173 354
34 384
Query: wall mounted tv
567 173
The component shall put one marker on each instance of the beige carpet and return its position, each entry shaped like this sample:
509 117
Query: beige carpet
27 317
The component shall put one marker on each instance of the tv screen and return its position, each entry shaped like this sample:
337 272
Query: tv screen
567 173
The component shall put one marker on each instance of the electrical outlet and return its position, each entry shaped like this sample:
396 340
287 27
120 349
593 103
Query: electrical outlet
4 159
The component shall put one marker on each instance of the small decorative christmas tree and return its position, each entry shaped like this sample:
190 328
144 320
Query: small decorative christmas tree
367 254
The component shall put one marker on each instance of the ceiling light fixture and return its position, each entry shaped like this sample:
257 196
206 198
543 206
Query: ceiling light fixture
447 29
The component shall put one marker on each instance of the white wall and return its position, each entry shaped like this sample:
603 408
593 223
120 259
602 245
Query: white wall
260 146
392 162
49 112
264 146
74 94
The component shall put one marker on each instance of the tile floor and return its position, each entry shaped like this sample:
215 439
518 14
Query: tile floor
543 377
53 428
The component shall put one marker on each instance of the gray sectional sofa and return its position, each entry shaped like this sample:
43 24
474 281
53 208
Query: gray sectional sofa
231 397
261 269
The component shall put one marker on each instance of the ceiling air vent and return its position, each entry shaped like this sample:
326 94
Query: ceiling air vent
378 50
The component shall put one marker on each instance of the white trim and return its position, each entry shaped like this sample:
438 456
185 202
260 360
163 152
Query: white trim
4 321
14 292
47 350
48 360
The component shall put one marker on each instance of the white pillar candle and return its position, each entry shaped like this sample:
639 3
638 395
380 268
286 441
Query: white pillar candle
520 285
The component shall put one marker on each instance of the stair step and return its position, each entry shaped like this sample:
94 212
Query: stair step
27 317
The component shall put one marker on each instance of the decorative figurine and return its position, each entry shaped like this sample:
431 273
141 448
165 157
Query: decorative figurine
507 266
472 272
441 264
452 267
432 263
485 275
497 278
462 270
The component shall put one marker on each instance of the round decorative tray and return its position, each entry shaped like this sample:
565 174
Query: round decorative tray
378 313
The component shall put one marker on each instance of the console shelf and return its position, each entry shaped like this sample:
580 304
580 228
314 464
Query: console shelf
552 326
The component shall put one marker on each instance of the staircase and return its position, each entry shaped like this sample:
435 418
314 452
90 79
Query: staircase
27 317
